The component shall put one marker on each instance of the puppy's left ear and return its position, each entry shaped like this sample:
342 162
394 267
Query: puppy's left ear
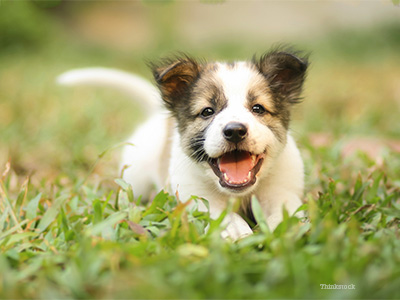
285 73
175 78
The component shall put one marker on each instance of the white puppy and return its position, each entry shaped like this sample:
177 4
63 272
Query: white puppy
224 134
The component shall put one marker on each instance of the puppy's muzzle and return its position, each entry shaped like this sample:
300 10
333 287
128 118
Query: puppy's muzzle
235 132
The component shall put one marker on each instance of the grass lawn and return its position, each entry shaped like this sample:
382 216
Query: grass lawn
71 228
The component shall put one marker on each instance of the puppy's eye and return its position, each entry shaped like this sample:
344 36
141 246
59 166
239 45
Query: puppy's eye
207 112
258 109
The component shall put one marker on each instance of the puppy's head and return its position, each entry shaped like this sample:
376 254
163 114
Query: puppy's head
233 117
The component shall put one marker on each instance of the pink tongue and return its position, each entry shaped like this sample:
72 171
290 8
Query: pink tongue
236 165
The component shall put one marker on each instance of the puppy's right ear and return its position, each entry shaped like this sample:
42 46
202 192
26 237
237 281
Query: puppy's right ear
174 78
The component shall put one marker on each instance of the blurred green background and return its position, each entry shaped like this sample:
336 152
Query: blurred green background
352 90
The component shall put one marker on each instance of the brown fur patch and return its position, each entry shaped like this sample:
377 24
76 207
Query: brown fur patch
207 92
277 116
174 77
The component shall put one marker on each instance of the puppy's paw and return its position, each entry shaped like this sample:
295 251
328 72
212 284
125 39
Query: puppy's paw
274 220
236 231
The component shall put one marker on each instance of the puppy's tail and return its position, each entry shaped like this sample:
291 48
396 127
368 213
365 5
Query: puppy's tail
131 84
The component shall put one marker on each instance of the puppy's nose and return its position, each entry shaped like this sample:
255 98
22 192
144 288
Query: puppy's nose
235 132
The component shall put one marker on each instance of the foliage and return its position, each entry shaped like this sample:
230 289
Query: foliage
23 26
63 239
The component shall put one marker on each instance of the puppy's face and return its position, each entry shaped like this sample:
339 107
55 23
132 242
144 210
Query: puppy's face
233 118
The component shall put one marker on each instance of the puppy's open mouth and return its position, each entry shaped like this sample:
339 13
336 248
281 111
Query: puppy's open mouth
237 169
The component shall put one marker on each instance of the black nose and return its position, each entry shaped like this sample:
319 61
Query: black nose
235 132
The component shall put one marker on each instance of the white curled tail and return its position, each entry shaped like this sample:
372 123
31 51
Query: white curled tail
131 84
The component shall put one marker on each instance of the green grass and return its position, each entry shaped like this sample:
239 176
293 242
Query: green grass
70 228
68 239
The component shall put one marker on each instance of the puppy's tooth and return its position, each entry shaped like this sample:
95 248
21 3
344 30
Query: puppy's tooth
253 159
226 177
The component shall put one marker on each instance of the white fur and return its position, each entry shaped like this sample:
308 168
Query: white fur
279 182
235 84
141 157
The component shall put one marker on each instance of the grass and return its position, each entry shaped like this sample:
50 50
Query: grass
66 239
70 228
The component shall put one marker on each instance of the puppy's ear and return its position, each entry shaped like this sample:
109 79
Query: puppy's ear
285 73
175 77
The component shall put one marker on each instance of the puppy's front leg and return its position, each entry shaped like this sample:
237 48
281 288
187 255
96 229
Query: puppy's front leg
235 227
273 207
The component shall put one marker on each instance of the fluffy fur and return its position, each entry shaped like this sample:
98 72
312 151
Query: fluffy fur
224 133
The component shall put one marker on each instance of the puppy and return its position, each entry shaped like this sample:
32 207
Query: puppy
224 132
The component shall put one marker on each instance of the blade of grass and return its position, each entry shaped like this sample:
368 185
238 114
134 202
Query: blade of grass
259 215
109 222
51 214
13 229
11 211
22 197
31 208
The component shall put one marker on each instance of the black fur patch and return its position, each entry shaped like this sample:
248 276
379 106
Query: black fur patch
285 71
198 153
